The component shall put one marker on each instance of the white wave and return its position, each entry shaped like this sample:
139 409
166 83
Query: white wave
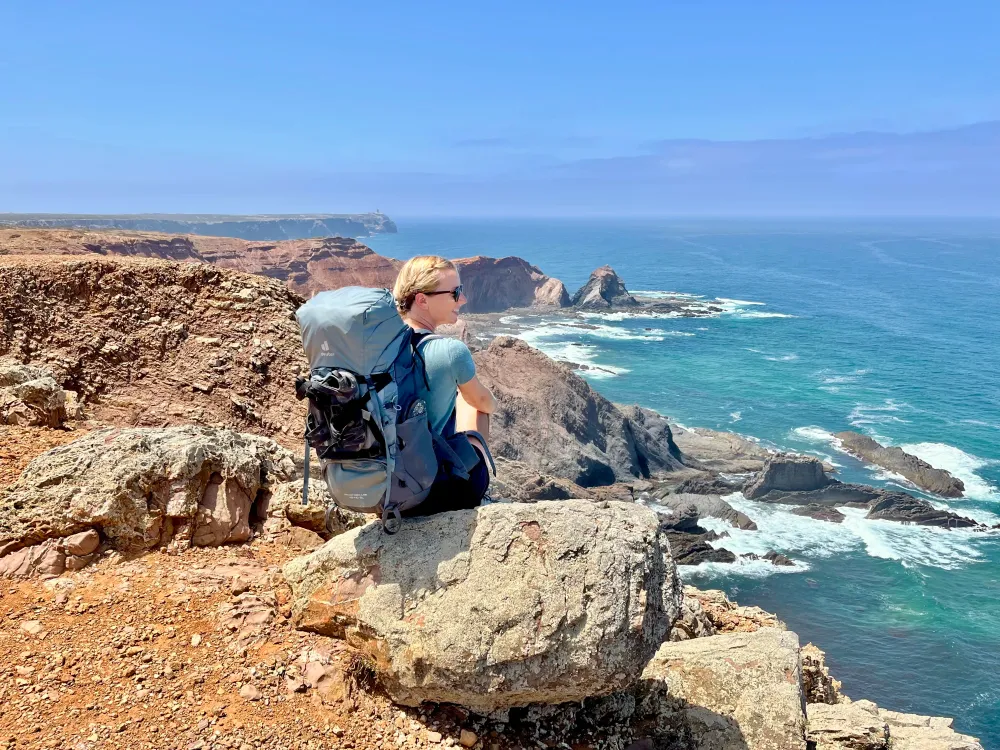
659 294
508 319
736 416
783 358
739 302
789 534
814 434
912 545
621 315
742 567
960 464
584 355
752 315
874 414
551 330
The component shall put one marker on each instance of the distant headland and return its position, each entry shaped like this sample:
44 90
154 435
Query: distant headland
260 227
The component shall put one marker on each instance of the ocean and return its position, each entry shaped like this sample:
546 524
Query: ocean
886 327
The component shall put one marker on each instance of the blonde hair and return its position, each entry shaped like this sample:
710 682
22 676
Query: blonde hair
420 274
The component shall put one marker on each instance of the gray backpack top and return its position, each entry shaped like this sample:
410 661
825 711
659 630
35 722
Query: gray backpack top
367 415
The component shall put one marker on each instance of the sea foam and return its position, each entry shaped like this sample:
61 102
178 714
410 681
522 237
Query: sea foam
960 464
804 537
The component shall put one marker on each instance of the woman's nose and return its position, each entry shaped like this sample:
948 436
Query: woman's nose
462 299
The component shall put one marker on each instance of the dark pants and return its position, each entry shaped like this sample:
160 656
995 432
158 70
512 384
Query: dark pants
455 494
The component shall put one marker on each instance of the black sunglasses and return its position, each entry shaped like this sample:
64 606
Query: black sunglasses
455 293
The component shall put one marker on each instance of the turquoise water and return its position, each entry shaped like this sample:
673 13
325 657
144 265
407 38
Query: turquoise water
889 328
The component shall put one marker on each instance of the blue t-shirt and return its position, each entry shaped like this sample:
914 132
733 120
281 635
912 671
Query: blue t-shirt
449 365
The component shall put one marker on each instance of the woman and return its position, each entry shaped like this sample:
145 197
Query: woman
428 294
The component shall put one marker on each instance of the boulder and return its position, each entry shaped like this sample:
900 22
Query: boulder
712 506
284 509
497 284
918 471
143 487
501 606
30 396
789 474
552 421
603 289
847 726
734 691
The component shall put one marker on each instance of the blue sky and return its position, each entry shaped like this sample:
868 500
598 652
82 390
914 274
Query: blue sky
487 108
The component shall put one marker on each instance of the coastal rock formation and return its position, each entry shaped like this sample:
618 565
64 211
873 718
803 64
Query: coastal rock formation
882 505
153 343
787 473
724 452
247 227
737 690
522 484
854 725
709 505
899 506
818 684
918 471
552 583
497 284
916 732
693 548
551 420
29 396
604 289
140 488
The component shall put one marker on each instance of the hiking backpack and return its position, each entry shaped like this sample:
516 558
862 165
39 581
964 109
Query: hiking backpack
367 411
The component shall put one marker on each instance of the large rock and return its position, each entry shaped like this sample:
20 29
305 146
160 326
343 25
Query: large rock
847 726
603 289
788 474
711 506
918 471
497 284
899 506
501 606
719 451
915 732
140 488
882 505
551 420
738 691
29 396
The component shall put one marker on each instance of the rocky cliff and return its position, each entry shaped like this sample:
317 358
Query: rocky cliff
279 227
152 343
550 419
306 265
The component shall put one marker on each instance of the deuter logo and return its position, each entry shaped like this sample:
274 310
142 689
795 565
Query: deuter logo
325 347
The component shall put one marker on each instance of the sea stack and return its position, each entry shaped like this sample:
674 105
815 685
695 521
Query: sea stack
604 289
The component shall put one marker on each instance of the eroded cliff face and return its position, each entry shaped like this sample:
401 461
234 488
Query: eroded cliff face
152 343
308 266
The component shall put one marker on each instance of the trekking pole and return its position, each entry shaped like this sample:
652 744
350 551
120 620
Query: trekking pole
305 480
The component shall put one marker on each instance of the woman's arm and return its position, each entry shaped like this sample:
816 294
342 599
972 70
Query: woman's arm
478 396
